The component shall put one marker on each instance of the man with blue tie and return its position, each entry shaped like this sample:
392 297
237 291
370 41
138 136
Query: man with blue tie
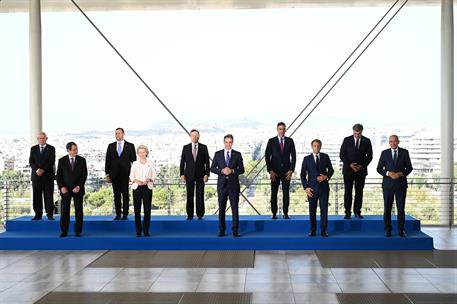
316 170
119 158
228 165
280 157
394 166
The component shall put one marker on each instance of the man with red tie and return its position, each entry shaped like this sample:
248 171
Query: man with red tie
280 157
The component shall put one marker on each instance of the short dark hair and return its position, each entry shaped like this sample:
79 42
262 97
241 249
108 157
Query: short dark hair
120 129
70 145
228 136
316 140
194 130
357 127
280 124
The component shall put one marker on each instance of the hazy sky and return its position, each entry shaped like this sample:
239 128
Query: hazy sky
221 66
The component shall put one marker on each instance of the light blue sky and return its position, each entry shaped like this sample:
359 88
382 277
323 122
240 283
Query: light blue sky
222 66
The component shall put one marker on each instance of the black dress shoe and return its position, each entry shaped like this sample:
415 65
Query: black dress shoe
286 217
78 234
36 218
189 218
347 217
324 233
359 216
138 235
50 218
402 233
388 233
125 217
200 218
117 218
146 234
274 217
236 234
221 234
63 235
312 233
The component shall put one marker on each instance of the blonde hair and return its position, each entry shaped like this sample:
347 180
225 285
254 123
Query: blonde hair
143 147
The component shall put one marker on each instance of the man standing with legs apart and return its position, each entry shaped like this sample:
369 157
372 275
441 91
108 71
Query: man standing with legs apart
71 177
119 158
356 154
280 157
316 171
194 171
228 165
42 163
394 166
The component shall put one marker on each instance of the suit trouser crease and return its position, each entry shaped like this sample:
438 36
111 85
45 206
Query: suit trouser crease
142 196
43 189
320 197
285 195
65 212
196 187
351 181
400 199
233 196
121 195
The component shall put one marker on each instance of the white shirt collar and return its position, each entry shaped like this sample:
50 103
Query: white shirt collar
70 157
120 142
318 154
229 151
42 146
279 138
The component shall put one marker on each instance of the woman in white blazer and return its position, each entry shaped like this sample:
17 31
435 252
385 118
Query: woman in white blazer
142 176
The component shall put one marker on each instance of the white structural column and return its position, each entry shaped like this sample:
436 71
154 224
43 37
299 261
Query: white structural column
35 69
447 109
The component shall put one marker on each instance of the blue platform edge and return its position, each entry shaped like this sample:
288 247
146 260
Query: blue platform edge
176 233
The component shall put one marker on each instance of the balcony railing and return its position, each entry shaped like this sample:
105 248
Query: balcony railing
430 200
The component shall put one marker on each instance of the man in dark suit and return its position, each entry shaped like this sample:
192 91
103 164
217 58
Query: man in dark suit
394 166
356 154
119 158
42 163
194 171
316 171
280 157
71 177
228 165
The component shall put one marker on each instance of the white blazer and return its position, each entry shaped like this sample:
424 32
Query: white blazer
143 172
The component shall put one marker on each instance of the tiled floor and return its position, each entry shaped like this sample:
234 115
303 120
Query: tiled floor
278 277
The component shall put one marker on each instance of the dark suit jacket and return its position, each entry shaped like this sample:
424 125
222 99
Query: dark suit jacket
403 164
45 161
349 154
279 162
119 166
236 164
71 178
191 169
309 172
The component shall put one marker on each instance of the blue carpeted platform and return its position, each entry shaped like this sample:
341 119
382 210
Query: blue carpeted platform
176 233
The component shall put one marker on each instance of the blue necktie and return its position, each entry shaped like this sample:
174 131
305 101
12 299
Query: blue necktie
119 149
227 159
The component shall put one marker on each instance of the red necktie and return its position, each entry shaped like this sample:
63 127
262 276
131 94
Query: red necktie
282 144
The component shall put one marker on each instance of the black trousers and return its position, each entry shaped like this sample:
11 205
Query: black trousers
234 196
43 188
320 197
121 190
285 195
65 212
196 187
142 195
352 180
400 199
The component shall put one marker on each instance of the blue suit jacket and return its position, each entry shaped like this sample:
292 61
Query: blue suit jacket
309 172
403 164
236 163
